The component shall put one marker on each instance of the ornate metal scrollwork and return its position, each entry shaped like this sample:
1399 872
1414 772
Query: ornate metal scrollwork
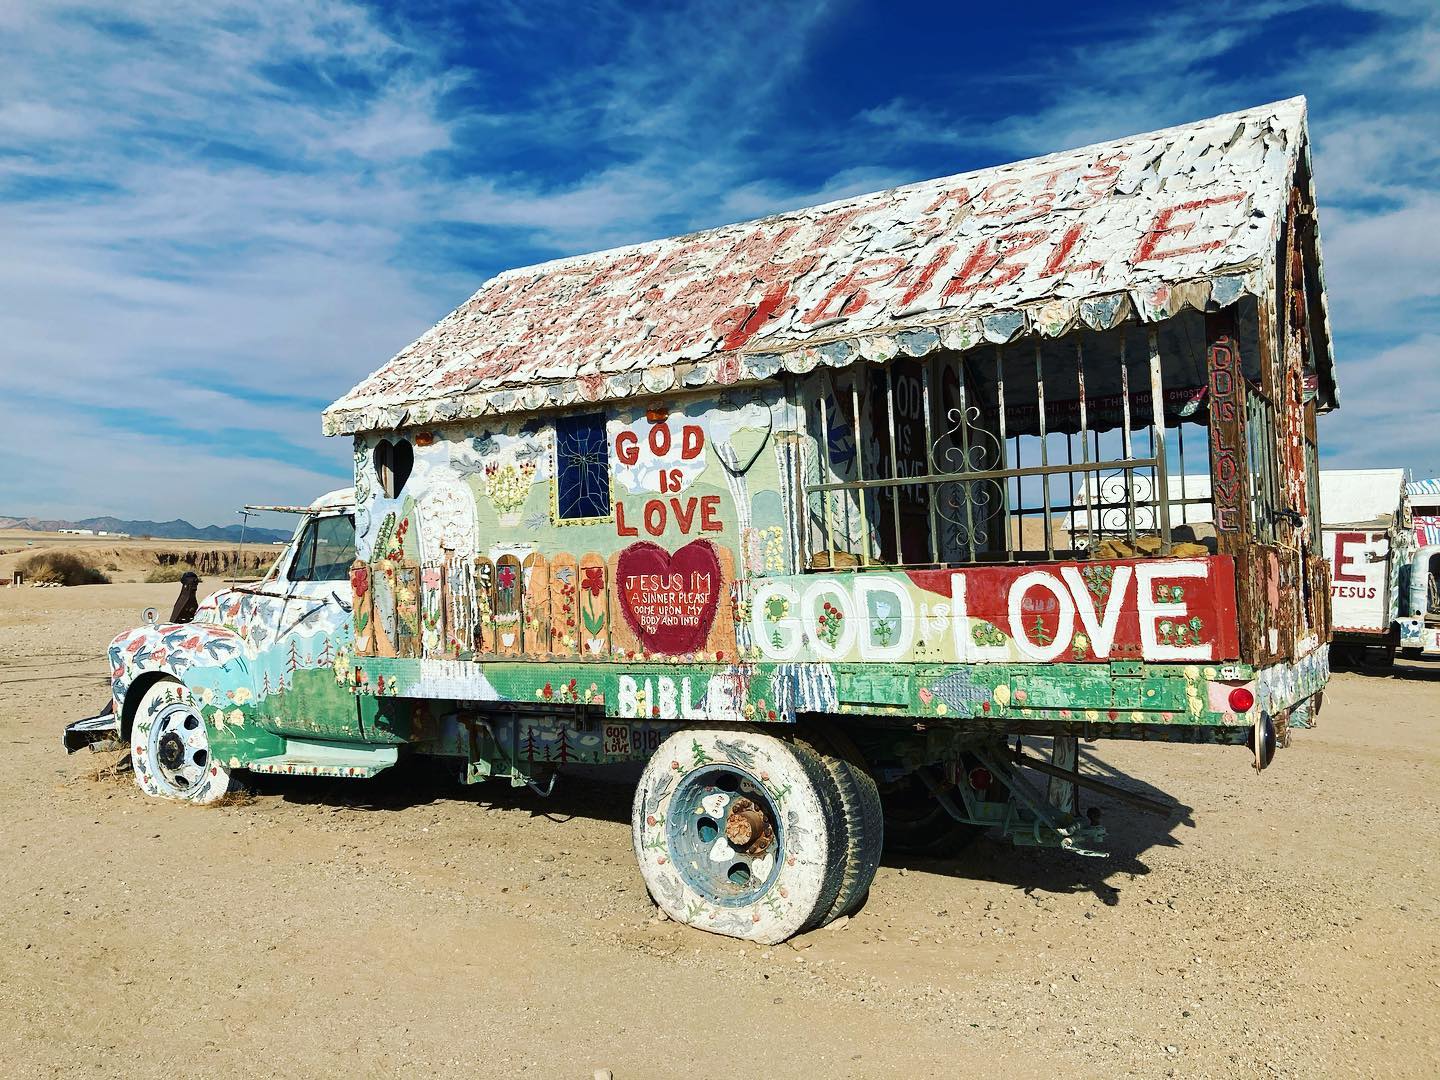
968 507
1116 492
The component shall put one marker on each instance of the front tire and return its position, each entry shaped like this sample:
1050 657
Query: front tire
739 833
170 748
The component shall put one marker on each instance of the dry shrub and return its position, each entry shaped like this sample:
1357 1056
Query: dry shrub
117 770
236 796
165 574
61 568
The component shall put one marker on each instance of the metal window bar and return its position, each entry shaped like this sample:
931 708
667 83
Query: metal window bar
1044 448
964 423
930 493
864 552
1157 440
1180 451
827 469
1084 447
1125 440
1255 423
1004 454
1267 454
1262 448
894 462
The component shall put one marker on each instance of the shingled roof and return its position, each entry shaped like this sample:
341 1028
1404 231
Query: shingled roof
1143 227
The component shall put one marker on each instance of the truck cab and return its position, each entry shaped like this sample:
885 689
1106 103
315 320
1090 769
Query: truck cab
260 676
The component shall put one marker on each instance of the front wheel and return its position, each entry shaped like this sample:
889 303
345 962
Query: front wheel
170 749
739 833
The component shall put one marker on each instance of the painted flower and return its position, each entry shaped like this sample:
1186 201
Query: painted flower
594 580
360 581
506 575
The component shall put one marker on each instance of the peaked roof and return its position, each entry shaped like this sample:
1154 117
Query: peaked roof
1187 216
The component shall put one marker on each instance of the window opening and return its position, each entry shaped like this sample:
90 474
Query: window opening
393 462
1048 449
582 467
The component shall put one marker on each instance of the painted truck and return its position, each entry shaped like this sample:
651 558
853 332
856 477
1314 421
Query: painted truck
786 513
1368 541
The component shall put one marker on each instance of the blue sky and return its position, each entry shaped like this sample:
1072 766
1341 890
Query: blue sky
216 217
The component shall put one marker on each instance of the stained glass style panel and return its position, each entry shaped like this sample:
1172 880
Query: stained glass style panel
582 467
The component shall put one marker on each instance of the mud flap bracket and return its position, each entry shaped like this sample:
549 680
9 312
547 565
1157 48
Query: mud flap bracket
100 732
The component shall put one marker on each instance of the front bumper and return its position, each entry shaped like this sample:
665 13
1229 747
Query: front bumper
99 732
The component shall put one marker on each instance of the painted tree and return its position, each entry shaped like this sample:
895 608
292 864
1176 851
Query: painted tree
293 660
530 744
327 655
265 690
564 748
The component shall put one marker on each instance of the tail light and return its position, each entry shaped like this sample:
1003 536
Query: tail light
980 778
1241 699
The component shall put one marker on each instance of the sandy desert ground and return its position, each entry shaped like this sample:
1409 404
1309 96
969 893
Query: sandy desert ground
1283 925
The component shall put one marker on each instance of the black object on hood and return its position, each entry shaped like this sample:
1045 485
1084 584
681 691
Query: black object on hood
185 603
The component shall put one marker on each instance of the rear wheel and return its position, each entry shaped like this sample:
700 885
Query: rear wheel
170 748
864 821
739 833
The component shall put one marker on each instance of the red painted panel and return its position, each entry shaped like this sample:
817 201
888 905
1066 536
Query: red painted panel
1165 610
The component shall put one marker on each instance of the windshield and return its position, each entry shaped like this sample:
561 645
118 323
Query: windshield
325 551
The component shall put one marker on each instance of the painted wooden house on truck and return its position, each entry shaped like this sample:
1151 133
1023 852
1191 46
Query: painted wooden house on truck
787 510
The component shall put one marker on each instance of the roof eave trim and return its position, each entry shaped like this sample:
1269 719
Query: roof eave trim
1051 318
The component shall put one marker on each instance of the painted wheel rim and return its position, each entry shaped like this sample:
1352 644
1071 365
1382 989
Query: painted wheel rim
178 749
725 835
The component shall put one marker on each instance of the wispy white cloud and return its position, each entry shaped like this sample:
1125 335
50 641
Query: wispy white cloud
226 213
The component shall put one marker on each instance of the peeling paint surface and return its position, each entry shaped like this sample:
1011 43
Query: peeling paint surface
1143 227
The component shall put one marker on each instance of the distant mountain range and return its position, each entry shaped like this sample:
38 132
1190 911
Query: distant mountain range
179 529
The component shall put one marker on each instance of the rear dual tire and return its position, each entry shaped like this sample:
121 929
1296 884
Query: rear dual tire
742 833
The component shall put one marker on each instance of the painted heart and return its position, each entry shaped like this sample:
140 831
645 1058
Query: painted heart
669 600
